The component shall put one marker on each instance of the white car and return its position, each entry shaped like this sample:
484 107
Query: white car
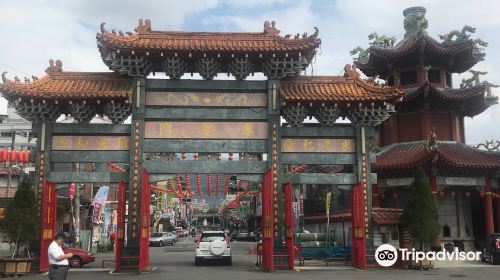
213 245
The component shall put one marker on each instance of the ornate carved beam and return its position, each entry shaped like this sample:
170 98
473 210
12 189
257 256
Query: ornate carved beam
241 68
131 65
295 115
82 112
327 115
117 112
370 116
37 112
275 69
174 67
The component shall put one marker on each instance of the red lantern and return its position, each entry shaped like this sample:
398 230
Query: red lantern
467 194
4 155
183 156
382 195
441 194
230 157
481 194
453 194
395 195
12 156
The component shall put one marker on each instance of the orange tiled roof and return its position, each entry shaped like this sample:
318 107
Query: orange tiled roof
446 155
58 84
336 89
387 216
146 39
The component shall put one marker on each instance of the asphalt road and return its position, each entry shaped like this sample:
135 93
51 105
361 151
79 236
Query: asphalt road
177 262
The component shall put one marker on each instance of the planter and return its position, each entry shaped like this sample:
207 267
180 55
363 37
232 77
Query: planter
16 266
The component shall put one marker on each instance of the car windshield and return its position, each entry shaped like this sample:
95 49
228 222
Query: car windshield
157 234
209 237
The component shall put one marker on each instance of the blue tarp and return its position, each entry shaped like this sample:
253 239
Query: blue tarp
320 253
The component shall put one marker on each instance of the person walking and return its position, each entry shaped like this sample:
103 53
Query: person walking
57 259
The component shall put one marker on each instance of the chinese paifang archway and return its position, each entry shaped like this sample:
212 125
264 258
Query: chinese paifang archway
193 117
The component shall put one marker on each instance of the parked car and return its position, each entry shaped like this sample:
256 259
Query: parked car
162 238
243 234
491 249
213 245
80 256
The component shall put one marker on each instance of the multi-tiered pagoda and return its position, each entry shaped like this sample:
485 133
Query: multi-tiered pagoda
428 128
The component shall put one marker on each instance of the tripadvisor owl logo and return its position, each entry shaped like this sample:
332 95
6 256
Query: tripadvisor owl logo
386 255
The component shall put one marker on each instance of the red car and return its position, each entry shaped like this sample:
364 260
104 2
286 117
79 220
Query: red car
80 256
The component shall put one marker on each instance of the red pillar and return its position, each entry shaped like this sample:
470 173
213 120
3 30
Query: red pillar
267 222
488 206
358 227
375 196
49 205
289 224
145 216
498 210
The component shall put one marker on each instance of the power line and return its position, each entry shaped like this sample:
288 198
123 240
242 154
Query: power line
13 68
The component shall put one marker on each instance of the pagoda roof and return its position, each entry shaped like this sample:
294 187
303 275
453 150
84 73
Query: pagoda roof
457 52
341 89
456 56
450 156
57 84
146 39
469 100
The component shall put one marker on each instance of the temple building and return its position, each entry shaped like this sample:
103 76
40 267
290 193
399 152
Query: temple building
428 128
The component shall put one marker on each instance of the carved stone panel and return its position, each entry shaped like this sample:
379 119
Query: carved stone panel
90 143
206 130
206 99
315 145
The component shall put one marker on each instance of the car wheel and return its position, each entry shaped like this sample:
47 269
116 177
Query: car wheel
76 262
161 243
198 261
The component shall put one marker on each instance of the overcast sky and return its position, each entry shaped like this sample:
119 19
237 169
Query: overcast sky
32 32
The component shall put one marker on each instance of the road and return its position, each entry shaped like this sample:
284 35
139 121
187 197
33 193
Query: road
177 263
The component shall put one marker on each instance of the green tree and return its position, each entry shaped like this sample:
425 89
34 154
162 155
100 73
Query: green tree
21 217
420 215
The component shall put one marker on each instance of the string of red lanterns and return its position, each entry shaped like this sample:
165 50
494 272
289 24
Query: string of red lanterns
198 180
217 182
209 179
226 185
22 156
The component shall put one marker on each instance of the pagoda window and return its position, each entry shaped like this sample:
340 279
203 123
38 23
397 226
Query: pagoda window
448 79
434 76
390 81
408 77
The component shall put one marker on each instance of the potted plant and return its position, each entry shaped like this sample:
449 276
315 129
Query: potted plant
420 216
20 223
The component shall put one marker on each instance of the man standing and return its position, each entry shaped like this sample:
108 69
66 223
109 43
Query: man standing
57 259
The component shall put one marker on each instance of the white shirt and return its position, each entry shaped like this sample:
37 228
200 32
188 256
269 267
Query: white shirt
55 251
